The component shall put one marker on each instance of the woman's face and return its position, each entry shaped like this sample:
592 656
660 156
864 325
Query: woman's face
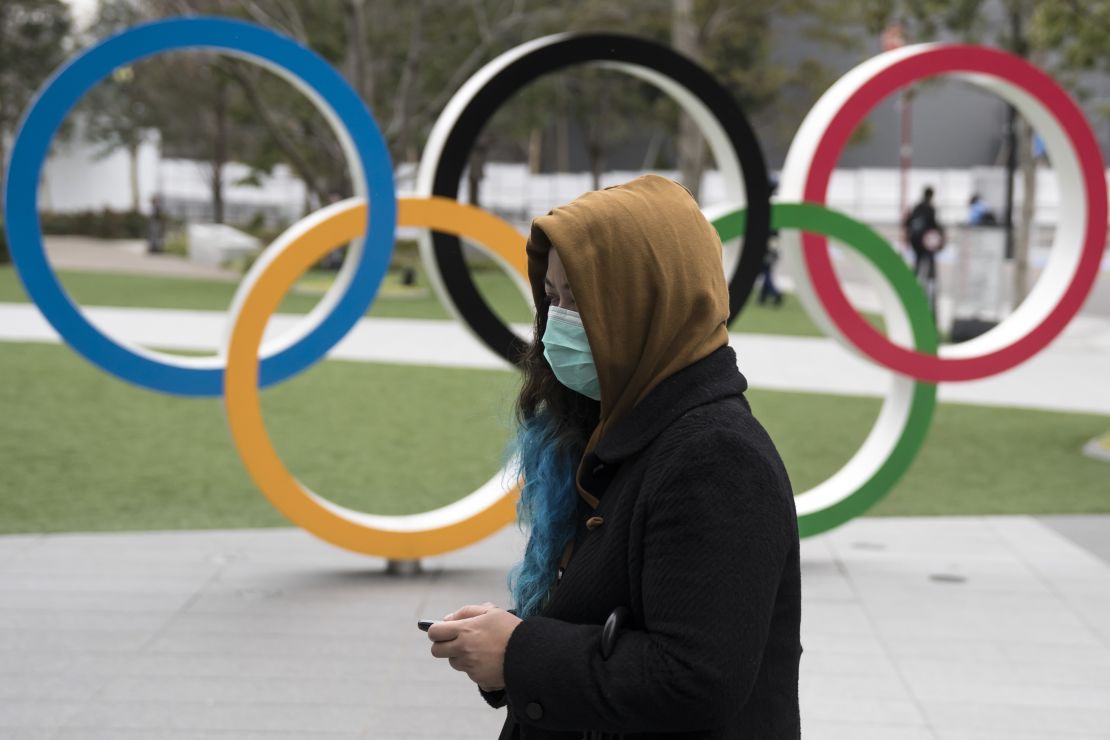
556 285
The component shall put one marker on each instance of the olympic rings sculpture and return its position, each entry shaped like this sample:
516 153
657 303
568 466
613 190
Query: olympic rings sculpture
368 220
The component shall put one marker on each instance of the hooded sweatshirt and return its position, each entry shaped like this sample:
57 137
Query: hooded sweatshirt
645 267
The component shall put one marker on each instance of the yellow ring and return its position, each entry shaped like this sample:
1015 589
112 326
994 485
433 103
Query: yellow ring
400 537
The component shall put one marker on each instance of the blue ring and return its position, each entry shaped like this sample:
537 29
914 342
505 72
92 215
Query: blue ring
62 91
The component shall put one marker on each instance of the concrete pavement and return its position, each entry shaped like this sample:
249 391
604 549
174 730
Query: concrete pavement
126 256
925 628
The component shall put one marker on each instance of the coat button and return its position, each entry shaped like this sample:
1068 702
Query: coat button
594 522
534 710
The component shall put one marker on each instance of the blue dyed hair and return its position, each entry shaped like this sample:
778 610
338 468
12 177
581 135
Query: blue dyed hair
547 505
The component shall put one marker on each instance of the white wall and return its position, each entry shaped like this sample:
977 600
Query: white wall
870 195
75 180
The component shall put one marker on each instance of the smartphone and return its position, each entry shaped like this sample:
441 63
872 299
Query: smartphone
424 624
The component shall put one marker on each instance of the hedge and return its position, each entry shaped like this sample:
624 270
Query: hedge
103 224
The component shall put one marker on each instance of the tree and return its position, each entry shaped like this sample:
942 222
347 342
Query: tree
118 113
1078 32
407 67
603 106
184 96
116 118
1073 37
687 38
33 37
403 83
734 42
1061 36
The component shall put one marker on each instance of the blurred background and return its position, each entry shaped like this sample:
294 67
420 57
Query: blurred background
170 177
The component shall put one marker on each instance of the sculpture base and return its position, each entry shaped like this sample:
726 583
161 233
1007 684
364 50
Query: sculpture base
403 567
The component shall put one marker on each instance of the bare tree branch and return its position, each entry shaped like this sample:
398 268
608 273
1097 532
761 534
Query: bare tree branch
242 78
721 15
481 20
467 66
356 50
402 101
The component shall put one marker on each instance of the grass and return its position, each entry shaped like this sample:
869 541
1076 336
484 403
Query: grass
82 451
976 459
108 289
147 291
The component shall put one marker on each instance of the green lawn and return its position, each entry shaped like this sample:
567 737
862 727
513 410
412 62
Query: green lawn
106 289
145 291
83 451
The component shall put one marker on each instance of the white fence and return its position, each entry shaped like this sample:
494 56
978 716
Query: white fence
75 179
870 195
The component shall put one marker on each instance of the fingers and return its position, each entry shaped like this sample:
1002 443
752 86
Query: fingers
445 649
470 610
455 651
444 634
443 631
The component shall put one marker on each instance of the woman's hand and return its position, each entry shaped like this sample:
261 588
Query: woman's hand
473 639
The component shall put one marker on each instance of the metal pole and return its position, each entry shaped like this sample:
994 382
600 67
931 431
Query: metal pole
1011 168
1017 46
905 153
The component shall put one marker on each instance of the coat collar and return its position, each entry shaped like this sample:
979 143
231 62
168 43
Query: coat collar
711 378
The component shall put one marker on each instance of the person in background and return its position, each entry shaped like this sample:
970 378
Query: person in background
156 226
926 237
767 290
979 213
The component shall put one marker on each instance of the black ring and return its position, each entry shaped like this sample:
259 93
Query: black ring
564 51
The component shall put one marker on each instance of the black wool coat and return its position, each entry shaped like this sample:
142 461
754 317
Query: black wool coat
699 540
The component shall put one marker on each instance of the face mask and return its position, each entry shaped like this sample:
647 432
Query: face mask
568 352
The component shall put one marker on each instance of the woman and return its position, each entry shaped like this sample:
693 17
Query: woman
649 486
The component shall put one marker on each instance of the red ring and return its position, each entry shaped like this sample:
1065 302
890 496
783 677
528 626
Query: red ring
933 62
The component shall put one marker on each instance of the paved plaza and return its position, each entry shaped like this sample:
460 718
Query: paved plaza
946 628
126 257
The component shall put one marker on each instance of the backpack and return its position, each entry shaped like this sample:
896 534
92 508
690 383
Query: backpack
918 224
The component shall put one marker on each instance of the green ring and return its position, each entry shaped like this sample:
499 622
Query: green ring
864 240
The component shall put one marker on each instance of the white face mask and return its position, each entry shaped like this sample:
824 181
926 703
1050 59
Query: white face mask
568 352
